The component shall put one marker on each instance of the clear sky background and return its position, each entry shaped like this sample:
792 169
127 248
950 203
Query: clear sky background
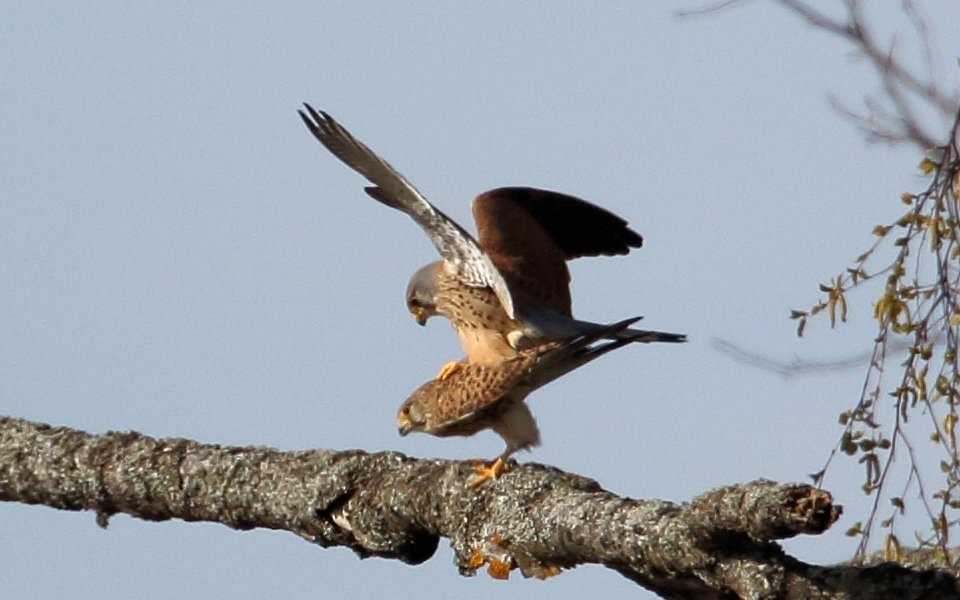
180 257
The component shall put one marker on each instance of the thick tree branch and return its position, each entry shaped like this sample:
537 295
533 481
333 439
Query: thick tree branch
535 518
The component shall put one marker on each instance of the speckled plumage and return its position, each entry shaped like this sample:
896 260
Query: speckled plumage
476 315
478 397
475 397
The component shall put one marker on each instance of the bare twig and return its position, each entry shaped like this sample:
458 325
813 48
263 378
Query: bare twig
707 9
796 366
896 78
894 118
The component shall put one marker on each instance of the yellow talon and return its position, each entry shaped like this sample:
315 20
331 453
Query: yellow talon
499 569
476 558
449 369
486 472
493 553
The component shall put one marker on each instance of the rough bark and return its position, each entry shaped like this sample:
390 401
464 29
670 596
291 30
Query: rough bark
535 518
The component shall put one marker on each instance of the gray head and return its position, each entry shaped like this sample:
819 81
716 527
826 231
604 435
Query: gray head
422 292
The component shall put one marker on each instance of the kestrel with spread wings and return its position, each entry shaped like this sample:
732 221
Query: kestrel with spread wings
509 289
478 397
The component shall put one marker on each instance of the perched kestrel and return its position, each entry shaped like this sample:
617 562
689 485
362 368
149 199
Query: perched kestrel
478 397
509 290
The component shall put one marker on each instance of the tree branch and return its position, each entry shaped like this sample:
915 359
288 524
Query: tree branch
903 88
535 518
896 78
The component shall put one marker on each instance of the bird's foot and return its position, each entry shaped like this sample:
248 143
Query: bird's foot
501 557
499 569
486 471
449 369
477 559
493 554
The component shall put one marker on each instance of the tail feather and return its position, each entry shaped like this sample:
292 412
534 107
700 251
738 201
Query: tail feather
644 336
547 326
579 350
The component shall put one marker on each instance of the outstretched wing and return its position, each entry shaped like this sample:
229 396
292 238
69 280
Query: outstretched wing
458 248
576 227
530 233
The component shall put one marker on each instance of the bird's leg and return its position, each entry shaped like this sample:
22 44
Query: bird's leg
449 369
486 471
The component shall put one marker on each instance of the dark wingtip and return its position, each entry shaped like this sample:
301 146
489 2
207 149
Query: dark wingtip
316 118
311 110
578 227
306 120
312 121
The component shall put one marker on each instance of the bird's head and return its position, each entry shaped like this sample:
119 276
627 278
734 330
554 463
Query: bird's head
412 416
422 293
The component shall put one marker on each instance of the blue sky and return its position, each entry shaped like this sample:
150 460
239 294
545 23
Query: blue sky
180 257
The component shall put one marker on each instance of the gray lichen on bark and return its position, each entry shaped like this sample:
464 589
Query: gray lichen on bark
536 518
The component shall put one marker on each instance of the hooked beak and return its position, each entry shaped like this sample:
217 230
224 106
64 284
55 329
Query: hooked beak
420 316
404 426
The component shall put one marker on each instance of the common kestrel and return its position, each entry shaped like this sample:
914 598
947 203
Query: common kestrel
509 290
478 397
